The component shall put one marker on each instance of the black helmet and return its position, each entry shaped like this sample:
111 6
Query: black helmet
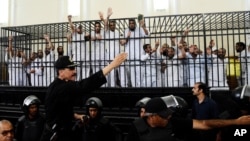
94 102
176 104
30 100
241 95
182 108
142 102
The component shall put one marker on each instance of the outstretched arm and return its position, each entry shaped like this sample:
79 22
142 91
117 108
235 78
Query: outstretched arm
109 13
184 35
142 24
118 60
10 48
218 123
70 23
51 46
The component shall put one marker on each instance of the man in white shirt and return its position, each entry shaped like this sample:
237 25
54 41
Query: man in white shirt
133 47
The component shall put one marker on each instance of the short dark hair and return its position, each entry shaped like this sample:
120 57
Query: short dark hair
112 21
202 86
145 46
96 22
131 20
241 44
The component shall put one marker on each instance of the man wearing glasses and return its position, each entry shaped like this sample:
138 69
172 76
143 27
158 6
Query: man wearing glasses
6 131
62 93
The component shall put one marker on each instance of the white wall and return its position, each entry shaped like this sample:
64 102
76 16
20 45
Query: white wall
28 12
209 6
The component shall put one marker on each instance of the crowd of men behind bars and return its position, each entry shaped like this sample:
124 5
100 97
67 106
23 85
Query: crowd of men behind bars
148 65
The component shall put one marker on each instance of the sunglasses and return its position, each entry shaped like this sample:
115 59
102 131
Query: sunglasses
71 68
6 132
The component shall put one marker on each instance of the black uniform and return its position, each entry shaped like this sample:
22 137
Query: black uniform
29 129
59 104
98 129
178 129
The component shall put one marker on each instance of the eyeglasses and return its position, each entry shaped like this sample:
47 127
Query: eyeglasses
6 132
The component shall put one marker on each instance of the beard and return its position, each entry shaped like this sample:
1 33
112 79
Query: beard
165 53
60 53
132 29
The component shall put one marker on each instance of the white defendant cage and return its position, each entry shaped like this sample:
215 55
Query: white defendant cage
159 69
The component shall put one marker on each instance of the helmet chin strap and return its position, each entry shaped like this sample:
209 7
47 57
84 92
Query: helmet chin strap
243 91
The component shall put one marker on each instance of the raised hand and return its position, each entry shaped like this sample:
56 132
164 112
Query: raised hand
69 17
101 15
110 12
46 37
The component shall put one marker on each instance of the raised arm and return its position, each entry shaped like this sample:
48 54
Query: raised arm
157 43
124 41
173 41
106 21
109 13
72 27
10 48
184 35
51 46
182 53
218 123
142 24
118 60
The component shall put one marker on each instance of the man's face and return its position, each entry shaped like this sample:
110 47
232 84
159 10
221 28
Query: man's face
185 46
97 28
19 53
158 121
132 25
68 74
32 56
47 50
164 50
209 51
33 110
142 112
191 49
93 112
196 50
238 48
171 52
148 49
60 50
196 89
221 53
112 26
40 54
6 132
79 29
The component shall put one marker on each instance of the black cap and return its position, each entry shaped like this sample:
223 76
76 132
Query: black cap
64 62
157 106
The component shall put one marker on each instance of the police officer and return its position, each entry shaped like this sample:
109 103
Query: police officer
159 124
141 106
61 95
233 106
95 127
29 127
6 130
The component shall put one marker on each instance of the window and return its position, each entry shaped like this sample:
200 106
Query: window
4 10
74 7
161 5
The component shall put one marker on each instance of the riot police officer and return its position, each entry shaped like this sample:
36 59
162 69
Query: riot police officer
95 127
29 127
